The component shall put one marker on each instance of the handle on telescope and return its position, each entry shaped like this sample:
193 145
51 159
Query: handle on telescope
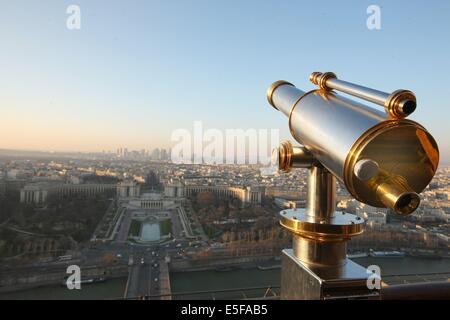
288 156
398 104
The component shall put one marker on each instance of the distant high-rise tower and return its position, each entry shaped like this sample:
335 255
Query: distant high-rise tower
164 155
156 154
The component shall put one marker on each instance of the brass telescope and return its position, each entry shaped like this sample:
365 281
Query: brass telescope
383 159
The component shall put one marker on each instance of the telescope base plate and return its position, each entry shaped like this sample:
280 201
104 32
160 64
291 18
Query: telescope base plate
300 281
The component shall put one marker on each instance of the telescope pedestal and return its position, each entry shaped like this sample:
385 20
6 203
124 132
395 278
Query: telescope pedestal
300 281
317 267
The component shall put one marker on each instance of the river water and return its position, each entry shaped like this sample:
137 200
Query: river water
244 278
111 289
201 281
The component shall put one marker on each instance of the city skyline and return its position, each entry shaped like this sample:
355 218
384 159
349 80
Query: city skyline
184 217
134 73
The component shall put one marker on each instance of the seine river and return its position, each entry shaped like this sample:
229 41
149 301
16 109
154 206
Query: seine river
111 289
218 280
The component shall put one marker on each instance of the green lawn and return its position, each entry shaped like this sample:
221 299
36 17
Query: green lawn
135 228
166 227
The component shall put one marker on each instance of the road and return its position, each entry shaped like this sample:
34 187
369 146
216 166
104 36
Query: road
122 234
143 279
177 229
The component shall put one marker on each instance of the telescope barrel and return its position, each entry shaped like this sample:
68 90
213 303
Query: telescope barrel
286 96
398 104
383 162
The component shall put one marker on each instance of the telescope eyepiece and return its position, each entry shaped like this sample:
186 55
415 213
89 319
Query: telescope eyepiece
407 203
407 107
400 104
395 193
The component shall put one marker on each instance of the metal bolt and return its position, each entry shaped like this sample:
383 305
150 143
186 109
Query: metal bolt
366 169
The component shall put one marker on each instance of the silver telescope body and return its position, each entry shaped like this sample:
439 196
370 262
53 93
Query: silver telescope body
383 159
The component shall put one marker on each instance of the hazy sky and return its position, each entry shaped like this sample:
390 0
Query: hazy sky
137 70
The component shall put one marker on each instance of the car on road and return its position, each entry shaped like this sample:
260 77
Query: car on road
142 261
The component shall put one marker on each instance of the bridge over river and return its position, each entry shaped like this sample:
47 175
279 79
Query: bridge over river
148 276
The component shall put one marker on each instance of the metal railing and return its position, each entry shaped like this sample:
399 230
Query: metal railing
421 286
266 292
417 291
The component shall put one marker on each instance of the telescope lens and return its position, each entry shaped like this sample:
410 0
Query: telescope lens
407 203
408 107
